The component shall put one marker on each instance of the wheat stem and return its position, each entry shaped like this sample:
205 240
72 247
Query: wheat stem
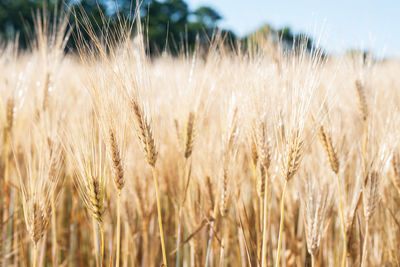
96 242
73 237
211 233
365 140
125 250
364 253
278 252
54 230
264 238
10 226
6 160
118 228
342 221
221 255
260 226
6 203
35 254
99 242
179 230
178 240
210 237
159 217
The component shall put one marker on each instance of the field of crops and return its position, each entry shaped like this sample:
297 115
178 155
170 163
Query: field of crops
217 157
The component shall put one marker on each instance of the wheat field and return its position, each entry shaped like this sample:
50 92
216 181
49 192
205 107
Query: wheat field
256 156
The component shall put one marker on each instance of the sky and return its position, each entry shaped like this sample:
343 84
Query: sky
339 25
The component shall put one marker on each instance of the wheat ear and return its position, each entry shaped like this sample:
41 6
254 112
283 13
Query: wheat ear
145 135
189 139
362 103
290 166
264 155
119 182
326 142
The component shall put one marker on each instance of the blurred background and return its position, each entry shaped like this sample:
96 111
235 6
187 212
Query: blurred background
337 27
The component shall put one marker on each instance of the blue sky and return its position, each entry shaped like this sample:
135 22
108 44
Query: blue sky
340 24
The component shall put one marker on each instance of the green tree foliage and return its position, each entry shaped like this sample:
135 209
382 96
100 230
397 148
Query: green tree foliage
295 40
169 24
284 36
15 16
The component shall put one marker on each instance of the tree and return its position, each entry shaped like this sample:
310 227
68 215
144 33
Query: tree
170 24
206 16
284 36
15 16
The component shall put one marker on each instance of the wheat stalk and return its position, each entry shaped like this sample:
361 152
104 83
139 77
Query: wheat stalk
264 156
326 142
38 187
55 157
87 155
291 164
371 197
9 210
188 148
316 202
145 135
119 182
